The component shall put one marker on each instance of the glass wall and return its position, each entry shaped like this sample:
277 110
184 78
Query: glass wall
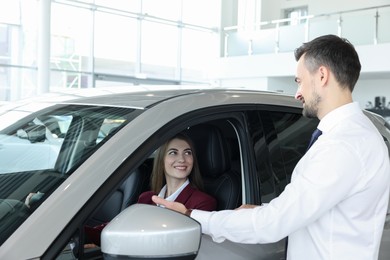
18 44
107 42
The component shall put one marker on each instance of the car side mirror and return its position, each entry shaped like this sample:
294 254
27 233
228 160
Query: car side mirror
145 231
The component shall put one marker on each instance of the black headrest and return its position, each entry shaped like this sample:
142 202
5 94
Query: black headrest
211 149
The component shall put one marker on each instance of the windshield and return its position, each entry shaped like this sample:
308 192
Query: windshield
39 150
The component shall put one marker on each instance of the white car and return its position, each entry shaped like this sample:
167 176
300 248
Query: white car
70 161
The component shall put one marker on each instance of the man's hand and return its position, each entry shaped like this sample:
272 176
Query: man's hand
176 206
247 206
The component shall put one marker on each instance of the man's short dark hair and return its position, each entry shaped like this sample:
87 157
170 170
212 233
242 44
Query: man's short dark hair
336 53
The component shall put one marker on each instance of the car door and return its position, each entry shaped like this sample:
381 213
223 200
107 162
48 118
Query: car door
271 142
230 122
277 138
259 142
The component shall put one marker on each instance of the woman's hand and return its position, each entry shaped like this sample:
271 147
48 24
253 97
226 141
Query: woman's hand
176 206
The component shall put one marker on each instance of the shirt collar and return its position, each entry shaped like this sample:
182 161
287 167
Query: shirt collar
175 194
339 114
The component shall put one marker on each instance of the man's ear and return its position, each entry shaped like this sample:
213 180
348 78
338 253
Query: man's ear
323 74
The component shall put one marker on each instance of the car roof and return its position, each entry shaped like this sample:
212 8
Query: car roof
135 99
144 97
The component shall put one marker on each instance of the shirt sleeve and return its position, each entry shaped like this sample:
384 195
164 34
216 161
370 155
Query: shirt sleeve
322 179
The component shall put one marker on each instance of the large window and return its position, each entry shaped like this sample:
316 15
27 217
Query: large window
295 14
132 42
115 49
159 50
18 42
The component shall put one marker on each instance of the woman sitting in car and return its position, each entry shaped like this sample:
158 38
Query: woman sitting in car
175 177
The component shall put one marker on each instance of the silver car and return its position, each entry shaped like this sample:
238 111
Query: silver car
68 161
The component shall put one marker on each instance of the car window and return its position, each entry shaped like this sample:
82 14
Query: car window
34 145
40 150
279 140
293 133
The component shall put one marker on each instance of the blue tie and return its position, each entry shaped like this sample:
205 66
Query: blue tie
314 138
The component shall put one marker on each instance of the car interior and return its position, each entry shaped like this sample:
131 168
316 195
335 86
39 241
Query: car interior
216 146
215 158
126 195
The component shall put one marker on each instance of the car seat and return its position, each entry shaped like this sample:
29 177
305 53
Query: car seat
126 194
220 180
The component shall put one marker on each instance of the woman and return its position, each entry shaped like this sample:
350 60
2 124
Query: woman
176 176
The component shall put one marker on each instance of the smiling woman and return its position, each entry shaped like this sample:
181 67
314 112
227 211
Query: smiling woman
175 177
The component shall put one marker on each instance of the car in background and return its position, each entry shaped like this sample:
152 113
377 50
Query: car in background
69 161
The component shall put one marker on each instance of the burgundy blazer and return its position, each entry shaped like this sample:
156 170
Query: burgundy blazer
189 196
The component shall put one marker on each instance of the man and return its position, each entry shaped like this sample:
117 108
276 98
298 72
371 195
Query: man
336 203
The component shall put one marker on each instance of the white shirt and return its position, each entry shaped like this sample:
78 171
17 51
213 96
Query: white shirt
174 195
336 203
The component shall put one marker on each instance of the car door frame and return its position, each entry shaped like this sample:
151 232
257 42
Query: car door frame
232 112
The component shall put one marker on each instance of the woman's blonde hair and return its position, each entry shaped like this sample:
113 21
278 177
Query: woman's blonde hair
158 181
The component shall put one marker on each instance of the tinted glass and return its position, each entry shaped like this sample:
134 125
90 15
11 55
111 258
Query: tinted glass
293 133
279 141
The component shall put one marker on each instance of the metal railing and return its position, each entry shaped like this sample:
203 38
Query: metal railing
366 26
